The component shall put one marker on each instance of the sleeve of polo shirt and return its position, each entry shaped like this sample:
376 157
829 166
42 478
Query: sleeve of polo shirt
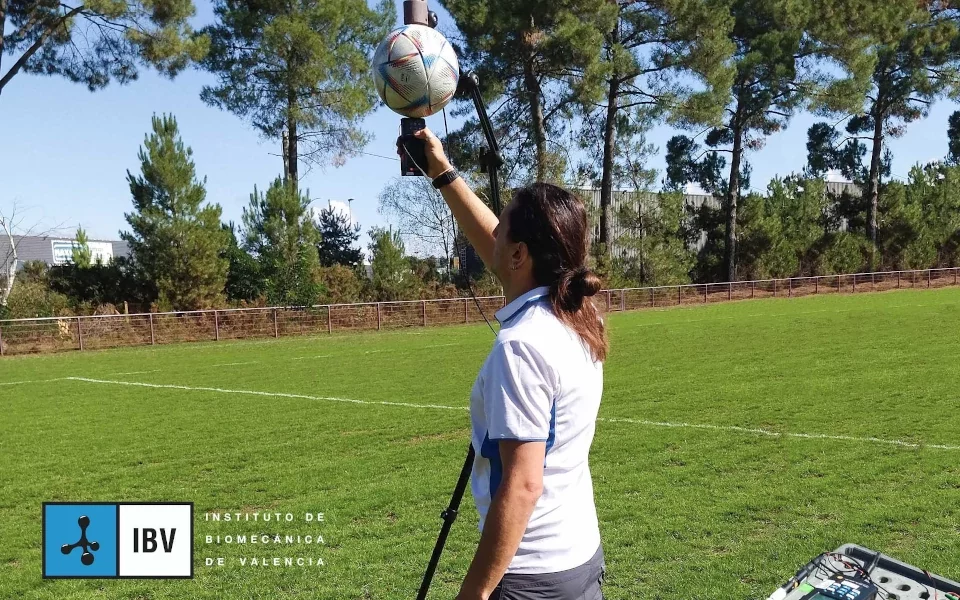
518 393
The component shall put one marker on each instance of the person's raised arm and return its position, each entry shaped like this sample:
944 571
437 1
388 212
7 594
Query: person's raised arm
476 220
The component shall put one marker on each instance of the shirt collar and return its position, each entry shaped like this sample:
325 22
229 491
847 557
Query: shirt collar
508 311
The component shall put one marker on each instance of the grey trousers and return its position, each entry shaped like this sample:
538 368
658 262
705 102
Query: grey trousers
579 583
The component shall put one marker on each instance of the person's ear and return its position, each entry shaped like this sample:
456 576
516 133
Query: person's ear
519 256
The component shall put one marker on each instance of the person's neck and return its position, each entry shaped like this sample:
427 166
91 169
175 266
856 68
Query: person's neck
513 291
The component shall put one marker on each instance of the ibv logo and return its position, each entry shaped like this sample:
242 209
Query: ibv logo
118 539
86 558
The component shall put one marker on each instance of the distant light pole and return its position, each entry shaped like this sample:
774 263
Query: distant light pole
350 207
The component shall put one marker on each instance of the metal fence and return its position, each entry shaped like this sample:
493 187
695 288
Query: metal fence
24 336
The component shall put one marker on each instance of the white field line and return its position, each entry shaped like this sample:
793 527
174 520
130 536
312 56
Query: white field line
134 373
256 393
29 381
312 357
777 434
236 364
443 345
664 424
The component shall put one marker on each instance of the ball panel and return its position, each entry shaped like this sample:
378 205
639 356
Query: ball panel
403 45
405 76
394 100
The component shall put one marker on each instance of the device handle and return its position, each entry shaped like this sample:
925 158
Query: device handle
448 516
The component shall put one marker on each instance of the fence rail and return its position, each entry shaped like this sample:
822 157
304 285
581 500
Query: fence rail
24 336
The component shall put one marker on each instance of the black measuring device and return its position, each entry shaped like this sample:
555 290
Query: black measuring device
840 587
413 154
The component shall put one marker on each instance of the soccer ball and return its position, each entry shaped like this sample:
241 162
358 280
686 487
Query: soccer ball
415 70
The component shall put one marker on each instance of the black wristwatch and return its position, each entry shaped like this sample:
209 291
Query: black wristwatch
445 178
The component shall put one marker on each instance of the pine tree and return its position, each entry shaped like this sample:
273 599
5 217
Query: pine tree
917 62
243 274
95 42
781 50
953 137
280 233
337 239
81 256
298 71
649 60
525 53
393 278
175 237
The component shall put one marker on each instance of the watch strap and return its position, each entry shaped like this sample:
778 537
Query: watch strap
445 178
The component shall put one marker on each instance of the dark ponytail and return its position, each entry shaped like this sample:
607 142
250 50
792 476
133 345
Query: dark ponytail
552 222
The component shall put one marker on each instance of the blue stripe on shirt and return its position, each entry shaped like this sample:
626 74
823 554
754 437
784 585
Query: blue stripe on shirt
490 449
552 436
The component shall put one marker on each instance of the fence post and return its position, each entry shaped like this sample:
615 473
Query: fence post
774 288
838 284
608 300
153 339
1 342
873 280
329 319
854 283
729 291
623 301
753 289
653 297
913 279
705 286
898 280
929 275
955 275
80 333
216 324
465 310
276 329
378 316
790 290
679 295
424 306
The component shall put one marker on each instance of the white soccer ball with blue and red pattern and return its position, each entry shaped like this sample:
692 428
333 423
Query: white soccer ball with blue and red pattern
415 70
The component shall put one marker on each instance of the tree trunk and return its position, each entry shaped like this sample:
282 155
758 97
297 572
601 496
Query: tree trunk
284 151
3 24
536 114
290 155
733 196
292 174
873 185
606 177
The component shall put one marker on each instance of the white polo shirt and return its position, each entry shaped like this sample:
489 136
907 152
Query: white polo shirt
540 383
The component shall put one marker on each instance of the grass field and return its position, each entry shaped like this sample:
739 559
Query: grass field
711 478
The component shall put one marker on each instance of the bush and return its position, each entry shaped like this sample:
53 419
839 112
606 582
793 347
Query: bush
30 299
341 285
842 252
114 283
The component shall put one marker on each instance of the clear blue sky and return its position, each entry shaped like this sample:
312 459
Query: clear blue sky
65 151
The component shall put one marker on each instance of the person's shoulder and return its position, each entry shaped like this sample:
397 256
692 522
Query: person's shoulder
541 331
535 326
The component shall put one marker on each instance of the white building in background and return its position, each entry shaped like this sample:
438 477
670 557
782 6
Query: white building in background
58 250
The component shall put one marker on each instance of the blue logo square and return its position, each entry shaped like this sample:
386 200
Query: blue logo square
80 540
